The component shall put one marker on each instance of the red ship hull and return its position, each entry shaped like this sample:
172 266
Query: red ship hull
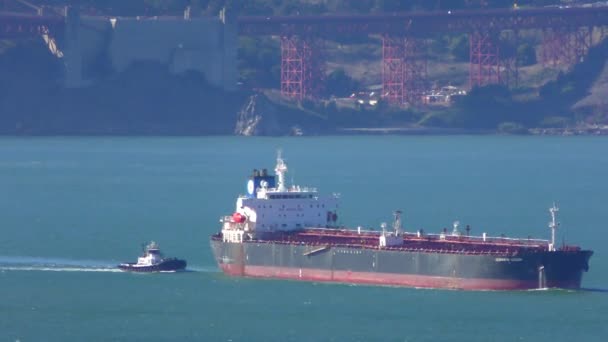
519 269
389 279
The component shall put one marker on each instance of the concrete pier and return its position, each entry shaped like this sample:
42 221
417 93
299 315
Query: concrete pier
204 44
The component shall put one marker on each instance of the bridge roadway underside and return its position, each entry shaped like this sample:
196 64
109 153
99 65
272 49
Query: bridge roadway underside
25 25
567 36
423 23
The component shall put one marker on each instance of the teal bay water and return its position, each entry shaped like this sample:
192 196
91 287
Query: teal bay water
71 208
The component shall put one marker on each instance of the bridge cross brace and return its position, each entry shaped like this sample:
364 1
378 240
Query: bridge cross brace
404 69
484 59
565 45
301 67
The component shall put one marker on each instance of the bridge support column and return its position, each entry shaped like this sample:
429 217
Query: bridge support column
393 69
583 40
484 56
404 69
72 53
415 70
554 48
508 58
301 68
565 45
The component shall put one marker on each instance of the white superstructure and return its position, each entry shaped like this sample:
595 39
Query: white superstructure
271 206
151 256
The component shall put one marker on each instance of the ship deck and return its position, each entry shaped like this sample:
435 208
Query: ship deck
413 242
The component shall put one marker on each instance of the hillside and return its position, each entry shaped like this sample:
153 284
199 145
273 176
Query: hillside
147 99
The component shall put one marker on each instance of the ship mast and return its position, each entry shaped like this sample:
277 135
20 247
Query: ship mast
397 222
553 225
280 171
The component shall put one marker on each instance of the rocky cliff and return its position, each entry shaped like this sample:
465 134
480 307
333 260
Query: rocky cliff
260 116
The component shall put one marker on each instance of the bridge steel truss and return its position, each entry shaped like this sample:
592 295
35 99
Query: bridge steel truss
566 45
403 74
484 59
404 69
490 59
568 34
302 72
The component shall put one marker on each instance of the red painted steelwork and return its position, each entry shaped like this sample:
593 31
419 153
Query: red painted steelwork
403 77
566 45
393 69
484 58
233 269
292 68
393 279
301 67
423 23
415 70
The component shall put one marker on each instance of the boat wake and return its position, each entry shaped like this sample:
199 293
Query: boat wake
23 263
203 269
592 289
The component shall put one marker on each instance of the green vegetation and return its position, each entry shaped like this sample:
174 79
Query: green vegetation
494 107
144 99
287 7
338 83
259 62
147 92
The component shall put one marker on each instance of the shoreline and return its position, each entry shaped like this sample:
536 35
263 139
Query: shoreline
413 131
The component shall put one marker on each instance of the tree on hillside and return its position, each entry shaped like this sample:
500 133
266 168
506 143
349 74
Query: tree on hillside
485 107
526 55
459 48
340 84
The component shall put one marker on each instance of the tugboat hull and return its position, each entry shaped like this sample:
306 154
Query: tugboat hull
167 265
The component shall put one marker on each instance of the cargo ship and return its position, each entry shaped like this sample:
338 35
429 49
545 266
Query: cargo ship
292 232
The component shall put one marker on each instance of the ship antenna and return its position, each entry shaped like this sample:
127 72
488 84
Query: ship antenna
280 170
553 225
455 225
397 223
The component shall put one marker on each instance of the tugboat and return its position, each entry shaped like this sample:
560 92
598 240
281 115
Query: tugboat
152 260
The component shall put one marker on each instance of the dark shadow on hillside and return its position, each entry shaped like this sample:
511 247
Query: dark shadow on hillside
145 99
